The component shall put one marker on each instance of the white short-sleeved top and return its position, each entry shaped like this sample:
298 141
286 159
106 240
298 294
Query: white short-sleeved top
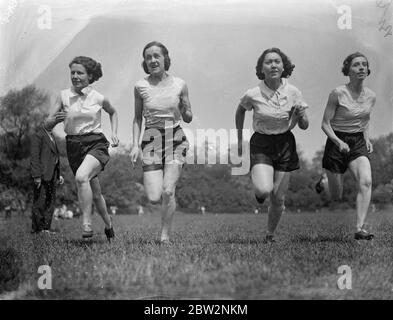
352 115
161 104
272 108
84 111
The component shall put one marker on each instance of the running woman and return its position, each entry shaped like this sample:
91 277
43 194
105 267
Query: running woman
346 124
87 147
278 107
162 100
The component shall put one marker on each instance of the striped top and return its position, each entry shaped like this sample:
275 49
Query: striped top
352 115
161 103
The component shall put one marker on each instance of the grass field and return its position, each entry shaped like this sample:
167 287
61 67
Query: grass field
212 257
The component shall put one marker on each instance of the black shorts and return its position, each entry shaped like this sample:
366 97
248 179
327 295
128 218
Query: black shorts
336 161
163 146
78 146
277 150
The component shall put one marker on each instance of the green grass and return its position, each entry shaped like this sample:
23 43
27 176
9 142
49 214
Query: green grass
212 257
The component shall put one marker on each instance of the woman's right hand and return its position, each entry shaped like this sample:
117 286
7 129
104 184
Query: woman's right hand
134 154
343 147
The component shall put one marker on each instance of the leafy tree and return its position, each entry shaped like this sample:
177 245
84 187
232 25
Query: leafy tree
20 112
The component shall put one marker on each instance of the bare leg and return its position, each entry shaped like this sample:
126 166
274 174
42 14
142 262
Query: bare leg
153 182
88 169
335 181
277 197
99 202
172 174
361 170
262 180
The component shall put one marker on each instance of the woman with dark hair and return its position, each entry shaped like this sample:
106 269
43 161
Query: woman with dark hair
346 123
162 100
278 107
87 148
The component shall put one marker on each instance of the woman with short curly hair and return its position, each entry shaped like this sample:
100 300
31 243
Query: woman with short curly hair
87 147
278 107
162 99
346 124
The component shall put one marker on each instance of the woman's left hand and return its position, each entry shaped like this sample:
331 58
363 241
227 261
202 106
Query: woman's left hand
115 141
369 146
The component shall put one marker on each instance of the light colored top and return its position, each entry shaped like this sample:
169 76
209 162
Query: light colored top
84 111
272 108
161 103
352 115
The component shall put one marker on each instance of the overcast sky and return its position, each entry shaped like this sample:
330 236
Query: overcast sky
213 45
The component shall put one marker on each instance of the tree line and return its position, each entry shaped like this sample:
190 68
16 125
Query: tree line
211 186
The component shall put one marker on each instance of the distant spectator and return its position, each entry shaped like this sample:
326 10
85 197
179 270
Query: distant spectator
140 210
45 171
113 210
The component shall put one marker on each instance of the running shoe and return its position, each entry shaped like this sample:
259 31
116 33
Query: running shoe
363 235
110 233
87 231
269 239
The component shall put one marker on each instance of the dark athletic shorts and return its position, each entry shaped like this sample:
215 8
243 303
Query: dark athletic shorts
336 161
78 146
277 150
163 146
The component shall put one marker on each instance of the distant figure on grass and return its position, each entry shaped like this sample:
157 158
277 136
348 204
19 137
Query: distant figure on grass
278 107
87 148
140 210
346 123
203 210
45 171
113 210
162 99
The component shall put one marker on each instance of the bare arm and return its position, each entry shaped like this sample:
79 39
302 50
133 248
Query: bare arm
185 105
328 115
366 135
303 119
137 123
58 116
239 120
106 105
136 127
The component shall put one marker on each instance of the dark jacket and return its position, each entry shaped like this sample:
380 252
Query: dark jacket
45 158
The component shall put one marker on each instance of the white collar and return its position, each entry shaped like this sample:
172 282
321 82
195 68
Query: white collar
269 92
85 91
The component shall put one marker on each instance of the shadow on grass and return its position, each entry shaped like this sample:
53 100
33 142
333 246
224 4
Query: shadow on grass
83 243
317 239
237 241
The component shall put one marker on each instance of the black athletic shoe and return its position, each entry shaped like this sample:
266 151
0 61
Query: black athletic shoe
319 187
260 200
110 233
363 235
87 232
269 239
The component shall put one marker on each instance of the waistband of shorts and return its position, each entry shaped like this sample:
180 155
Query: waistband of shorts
348 134
286 133
85 135
163 130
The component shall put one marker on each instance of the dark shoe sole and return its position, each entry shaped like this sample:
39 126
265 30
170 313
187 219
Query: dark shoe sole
364 237
110 233
87 235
